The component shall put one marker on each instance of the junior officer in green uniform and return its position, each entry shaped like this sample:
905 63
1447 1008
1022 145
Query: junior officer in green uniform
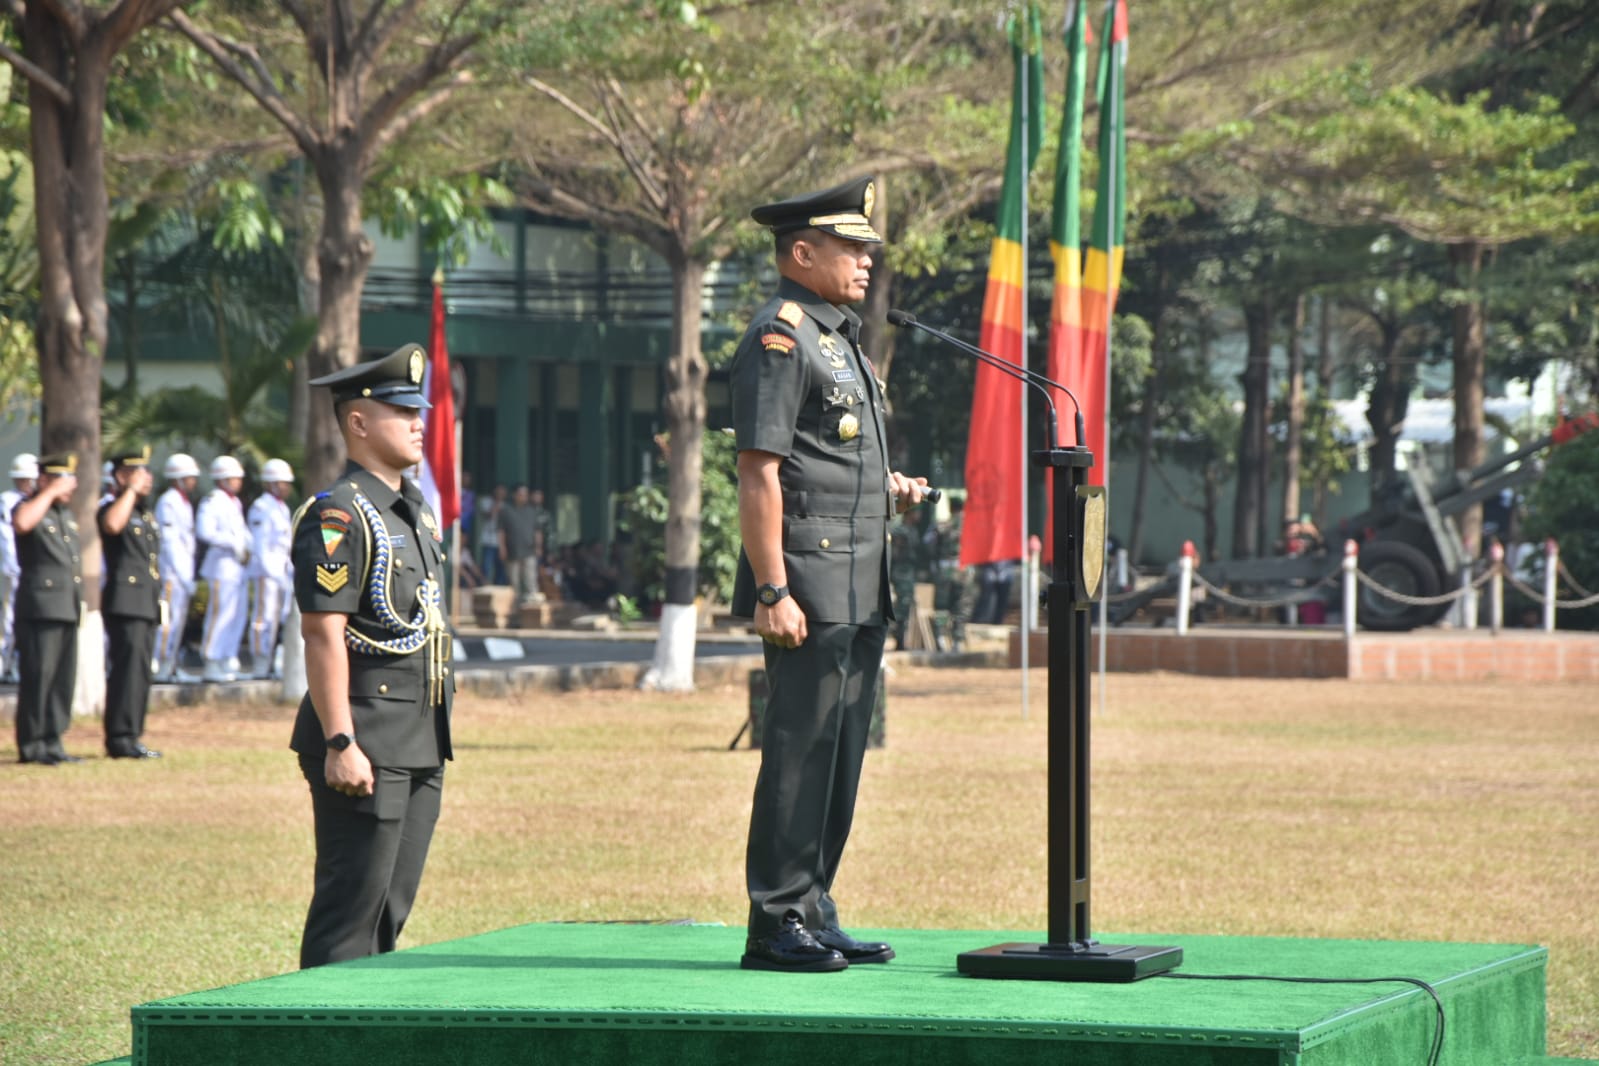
49 604
815 496
131 601
373 731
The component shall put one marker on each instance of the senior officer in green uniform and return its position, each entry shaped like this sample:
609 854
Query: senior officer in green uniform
131 602
49 605
815 495
373 731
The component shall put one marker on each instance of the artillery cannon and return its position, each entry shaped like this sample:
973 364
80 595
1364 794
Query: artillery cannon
1409 542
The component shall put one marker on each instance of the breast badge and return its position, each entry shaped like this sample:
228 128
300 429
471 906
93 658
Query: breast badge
848 427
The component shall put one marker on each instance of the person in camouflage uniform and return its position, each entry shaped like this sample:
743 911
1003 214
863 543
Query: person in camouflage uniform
957 583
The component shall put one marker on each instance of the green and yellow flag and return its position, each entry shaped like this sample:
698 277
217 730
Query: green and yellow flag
1065 234
992 528
1102 271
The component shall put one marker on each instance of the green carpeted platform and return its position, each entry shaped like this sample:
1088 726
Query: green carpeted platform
645 994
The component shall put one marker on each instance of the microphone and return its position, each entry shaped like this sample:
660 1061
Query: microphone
1031 377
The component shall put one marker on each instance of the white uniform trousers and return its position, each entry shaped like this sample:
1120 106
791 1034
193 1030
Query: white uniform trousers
270 602
225 613
175 597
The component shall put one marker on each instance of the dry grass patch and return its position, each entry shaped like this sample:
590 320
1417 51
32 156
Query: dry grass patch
1436 812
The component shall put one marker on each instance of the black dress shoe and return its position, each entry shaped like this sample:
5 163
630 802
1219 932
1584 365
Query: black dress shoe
791 949
43 760
852 949
64 757
139 752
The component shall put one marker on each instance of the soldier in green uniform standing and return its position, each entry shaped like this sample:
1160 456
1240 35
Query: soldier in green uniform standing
131 602
815 495
373 731
959 582
49 605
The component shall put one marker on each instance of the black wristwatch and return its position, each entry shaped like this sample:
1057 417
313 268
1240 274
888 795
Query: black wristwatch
770 594
340 741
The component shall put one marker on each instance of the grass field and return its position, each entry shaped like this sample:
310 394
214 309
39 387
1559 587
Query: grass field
1427 812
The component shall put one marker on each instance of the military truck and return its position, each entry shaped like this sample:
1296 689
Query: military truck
1408 539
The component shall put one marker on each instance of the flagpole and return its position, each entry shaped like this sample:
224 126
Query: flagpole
1022 467
458 554
1115 101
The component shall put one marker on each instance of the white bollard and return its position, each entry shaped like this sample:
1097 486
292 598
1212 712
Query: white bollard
1468 599
1121 570
1551 567
1185 586
1496 588
1351 587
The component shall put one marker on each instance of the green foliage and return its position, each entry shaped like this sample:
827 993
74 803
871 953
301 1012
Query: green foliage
643 519
1564 505
19 268
244 218
451 213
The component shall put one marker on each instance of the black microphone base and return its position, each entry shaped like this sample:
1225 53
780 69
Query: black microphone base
1105 963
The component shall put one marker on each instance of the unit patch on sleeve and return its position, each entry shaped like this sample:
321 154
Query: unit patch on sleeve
778 342
331 577
791 313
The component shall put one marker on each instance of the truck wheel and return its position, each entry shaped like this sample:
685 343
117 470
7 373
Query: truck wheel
1405 570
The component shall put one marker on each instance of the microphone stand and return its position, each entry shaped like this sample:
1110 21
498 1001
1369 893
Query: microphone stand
1071 953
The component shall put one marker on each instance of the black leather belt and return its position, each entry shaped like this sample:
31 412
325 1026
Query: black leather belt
836 504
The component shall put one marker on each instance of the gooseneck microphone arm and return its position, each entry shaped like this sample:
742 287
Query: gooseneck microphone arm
1030 377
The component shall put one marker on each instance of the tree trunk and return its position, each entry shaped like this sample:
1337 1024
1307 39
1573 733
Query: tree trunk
1324 383
1256 378
673 668
344 252
1146 450
1385 411
1293 445
72 215
1469 359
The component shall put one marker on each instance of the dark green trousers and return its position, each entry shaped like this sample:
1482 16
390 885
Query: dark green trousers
813 741
47 667
131 643
370 851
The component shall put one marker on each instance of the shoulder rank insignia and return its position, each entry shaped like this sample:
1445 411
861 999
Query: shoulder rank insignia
331 577
778 342
791 313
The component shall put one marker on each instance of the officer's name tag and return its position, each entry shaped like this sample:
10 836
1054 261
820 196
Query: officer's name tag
843 375
397 540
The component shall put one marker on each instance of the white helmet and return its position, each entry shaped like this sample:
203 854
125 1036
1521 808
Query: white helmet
25 465
180 465
275 470
225 466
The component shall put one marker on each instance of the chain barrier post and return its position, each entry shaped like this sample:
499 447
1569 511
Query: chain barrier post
1351 567
1185 586
1030 594
1468 599
1551 567
1496 587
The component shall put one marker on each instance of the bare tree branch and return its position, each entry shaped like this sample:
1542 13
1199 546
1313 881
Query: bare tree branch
635 165
37 75
261 88
402 124
118 26
386 109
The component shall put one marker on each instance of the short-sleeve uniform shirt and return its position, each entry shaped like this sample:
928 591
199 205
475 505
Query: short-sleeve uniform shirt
374 572
803 390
